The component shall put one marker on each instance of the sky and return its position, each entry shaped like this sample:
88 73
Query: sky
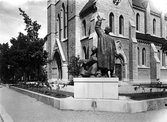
11 22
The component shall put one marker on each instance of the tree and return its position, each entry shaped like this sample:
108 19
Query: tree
4 61
35 56
19 57
74 66
26 57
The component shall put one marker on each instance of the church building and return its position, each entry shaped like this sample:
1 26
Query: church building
139 28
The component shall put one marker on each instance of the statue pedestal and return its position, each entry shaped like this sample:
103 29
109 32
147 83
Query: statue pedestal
96 88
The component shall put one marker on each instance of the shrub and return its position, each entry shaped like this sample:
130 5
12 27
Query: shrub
74 66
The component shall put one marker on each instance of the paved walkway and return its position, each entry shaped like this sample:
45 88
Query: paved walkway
22 108
1 120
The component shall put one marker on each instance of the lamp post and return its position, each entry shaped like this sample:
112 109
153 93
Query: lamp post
8 72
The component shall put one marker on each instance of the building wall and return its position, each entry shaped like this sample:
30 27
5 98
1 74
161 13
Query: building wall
166 27
158 24
144 70
58 9
142 44
73 45
142 20
86 41
124 9
71 28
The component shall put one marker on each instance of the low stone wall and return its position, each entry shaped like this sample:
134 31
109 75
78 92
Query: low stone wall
55 102
120 105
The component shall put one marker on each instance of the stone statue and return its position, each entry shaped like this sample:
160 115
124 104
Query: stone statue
89 66
106 49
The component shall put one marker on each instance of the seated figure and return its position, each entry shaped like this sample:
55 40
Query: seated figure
89 66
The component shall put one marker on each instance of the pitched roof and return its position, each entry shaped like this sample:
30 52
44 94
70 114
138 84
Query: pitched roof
89 4
143 4
150 38
140 3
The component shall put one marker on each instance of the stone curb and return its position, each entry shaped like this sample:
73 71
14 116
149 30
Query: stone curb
4 115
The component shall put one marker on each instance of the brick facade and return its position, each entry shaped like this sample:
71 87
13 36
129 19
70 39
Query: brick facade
85 10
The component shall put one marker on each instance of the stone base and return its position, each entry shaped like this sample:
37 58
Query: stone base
96 88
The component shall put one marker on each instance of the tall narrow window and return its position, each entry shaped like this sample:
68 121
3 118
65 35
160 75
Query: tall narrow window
83 28
154 26
138 56
64 21
121 25
137 22
163 59
59 27
111 22
159 55
144 56
84 52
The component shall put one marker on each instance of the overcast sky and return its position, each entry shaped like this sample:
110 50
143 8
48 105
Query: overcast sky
11 22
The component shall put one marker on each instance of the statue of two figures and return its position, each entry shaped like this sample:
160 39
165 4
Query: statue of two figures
102 60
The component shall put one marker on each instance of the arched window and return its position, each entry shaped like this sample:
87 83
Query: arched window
138 56
121 25
144 56
154 26
137 22
83 28
111 22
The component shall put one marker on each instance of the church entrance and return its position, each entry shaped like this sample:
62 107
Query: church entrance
118 71
119 68
57 67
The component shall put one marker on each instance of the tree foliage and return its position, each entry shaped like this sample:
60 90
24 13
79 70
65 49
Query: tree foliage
4 56
74 66
26 56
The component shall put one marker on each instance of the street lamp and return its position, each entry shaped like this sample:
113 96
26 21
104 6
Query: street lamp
8 66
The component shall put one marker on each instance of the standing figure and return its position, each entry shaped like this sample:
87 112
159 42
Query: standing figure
106 49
